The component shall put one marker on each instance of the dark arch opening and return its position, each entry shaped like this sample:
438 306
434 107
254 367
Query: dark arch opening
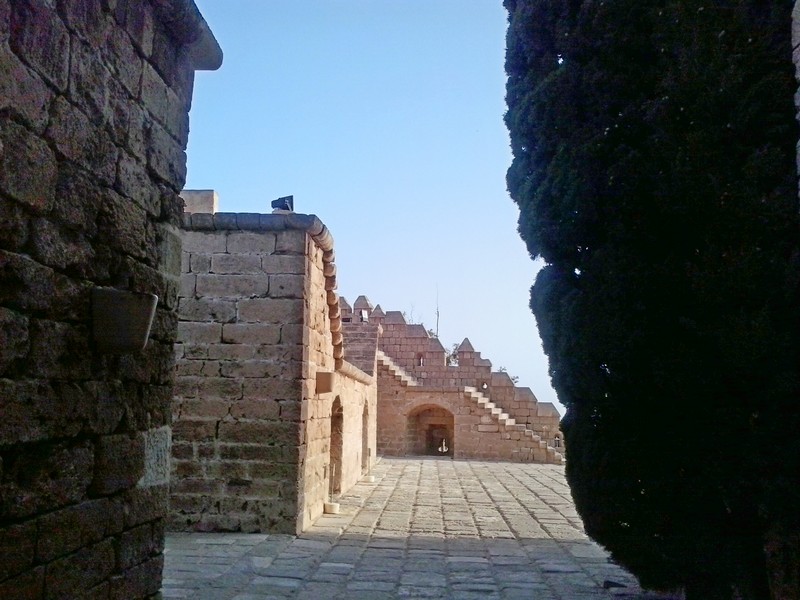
337 442
365 449
430 431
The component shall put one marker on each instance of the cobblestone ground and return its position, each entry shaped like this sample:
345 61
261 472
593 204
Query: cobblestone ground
426 528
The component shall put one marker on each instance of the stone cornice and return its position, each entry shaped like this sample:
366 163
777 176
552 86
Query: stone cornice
183 20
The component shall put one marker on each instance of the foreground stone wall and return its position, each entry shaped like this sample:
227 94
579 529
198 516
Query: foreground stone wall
252 432
94 100
237 405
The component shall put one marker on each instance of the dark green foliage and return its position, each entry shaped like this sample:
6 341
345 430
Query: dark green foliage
654 168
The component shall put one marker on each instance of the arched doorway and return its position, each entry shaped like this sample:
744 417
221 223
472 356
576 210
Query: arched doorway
337 441
430 431
365 450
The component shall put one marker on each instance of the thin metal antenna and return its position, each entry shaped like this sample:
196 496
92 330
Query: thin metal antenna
437 310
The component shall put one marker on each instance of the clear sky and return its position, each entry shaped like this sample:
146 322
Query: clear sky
385 119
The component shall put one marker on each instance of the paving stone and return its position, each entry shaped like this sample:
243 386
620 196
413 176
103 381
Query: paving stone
430 528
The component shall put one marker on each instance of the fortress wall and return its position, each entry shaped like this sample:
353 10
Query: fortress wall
476 434
325 469
242 342
406 346
252 432
94 100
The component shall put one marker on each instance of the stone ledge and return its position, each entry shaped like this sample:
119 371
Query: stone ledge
184 21
352 372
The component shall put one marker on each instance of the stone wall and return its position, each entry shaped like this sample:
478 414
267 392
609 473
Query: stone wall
424 358
94 100
336 434
252 432
408 413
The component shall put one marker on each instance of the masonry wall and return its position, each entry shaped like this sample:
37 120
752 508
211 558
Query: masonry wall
323 476
94 97
237 423
252 430
423 357
477 435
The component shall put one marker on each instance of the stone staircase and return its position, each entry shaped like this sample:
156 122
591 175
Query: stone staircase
536 449
530 447
397 371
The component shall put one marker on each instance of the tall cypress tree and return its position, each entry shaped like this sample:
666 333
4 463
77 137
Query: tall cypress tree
654 167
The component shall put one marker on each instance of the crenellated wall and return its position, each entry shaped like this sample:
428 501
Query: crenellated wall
423 357
94 101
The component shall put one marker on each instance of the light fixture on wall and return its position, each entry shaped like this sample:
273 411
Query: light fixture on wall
121 319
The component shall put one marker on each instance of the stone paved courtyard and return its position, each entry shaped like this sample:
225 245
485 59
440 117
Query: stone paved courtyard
425 528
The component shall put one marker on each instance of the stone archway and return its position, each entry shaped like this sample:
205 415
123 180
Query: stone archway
430 430
337 443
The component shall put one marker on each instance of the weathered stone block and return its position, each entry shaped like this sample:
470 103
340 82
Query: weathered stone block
138 544
252 369
188 285
164 104
86 19
231 351
61 248
219 387
42 478
77 200
22 154
199 333
253 452
40 38
67 530
269 310
246 242
205 408
123 60
287 286
133 181
274 388
14 342
137 19
236 263
291 241
227 286
251 333
295 334
28 586
126 227
81 571
207 309
166 156
264 408
139 582
141 505
283 263
13 225
267 432
119 463
22 90
200 263
17 546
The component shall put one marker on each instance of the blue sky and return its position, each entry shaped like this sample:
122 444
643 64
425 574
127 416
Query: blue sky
385 119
